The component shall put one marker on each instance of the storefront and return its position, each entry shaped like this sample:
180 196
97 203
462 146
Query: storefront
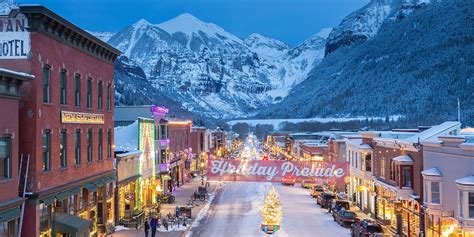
411 217
385 208
9 218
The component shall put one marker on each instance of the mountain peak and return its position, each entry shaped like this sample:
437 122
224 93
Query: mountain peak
189 25
323 33
141 22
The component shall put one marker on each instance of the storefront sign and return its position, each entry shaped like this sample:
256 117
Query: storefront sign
14 37
81 118
159 110
277 171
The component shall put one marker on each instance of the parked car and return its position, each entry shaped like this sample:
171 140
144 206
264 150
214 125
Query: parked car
366 228
325 199
289 180
316 190
339 205
345 218
306 185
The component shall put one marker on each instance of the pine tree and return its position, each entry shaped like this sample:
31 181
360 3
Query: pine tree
272 211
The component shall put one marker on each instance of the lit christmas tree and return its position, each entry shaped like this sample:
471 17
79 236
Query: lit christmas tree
272 211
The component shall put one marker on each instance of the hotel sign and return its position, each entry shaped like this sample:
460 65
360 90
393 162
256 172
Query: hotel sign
14 37
81 118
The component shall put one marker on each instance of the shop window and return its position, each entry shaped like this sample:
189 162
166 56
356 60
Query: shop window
99 95
77 91
8 228
99 146
45 216
92 198
46 145
89 93
435 193
46 84
63 87
406 177
89 145
71 205
77 142
5 158
80 198
63 148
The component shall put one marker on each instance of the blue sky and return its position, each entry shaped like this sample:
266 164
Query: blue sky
291 21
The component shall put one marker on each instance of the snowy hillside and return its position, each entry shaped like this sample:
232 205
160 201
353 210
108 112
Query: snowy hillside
365 22
417 67
102 35
213 72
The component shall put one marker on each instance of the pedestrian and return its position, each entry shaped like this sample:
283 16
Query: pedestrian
147 228
177 212
202 180
153 223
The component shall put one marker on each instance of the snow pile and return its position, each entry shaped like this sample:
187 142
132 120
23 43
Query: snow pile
172 228
121 228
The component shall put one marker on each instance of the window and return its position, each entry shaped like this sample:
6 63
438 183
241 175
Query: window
368 162
63 148
77 92
406 176
163 155
99 96
99 147
47 150
461 202
163 132
89 145
109 102
77 141
63 87
89 93
5 158
46 84
392 170
471 204
8 228
435 193
109 143
382 167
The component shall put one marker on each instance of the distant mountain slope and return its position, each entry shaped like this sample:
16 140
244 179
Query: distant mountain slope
416 66
212 72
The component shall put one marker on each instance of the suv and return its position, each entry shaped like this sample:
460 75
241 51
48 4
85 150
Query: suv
366 228
316 190
345 218
325 199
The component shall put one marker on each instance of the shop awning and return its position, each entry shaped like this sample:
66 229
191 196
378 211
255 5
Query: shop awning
403 160
9 214
76 190
166 177
65 223
91 187
63 195
47 200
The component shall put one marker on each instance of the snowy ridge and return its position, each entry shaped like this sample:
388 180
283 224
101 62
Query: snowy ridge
102 35
211 71
6 6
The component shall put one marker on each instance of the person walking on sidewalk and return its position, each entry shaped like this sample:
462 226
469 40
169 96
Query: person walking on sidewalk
147 228
153 224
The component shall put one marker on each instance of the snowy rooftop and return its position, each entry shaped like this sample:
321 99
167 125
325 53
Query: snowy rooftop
126 137
131 113
403 159
16 74
435 131
431 172
466 180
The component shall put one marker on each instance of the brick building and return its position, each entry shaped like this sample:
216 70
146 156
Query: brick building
66 124
10 202
199 149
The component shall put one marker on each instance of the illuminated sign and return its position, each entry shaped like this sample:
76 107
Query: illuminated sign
277 171
81 118
14 37
159 110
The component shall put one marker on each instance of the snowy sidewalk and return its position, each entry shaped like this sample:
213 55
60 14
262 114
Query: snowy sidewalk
182 195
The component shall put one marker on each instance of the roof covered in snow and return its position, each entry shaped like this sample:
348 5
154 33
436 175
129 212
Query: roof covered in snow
126 137
435 131
432 172
466 180
403 159
15 74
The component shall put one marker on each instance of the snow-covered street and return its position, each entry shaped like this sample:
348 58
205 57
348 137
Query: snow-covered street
235 212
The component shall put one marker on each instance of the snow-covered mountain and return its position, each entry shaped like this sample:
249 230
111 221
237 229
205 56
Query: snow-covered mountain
213 72
102 35
6 6
364 23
